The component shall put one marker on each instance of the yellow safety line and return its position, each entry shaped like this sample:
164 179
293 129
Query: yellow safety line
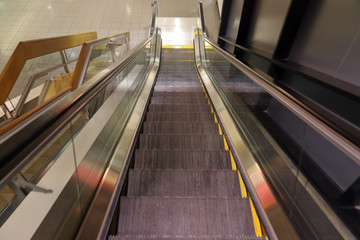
178 46
220 131
179 51
233 163
226 146
257 224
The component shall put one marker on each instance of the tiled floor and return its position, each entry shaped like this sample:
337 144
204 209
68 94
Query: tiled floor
23 20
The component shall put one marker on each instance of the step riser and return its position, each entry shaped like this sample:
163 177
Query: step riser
179 117
179 108
181 142
178 100
223 183
185 216
152 159
180 128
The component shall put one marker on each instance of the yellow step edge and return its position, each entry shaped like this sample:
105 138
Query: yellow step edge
178 47
226 146
233 163
257 225
215 118
178 51
244 193
220 130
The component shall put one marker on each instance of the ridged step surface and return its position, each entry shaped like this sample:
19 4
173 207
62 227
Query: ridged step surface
167 141
179 94
182 159
179 108
164 237
185 216
180 128
197 183
179 117
178 100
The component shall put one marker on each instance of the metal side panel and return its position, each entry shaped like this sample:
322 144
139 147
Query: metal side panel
275 221
97 220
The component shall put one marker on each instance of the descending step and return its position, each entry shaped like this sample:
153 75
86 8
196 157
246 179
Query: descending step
184 128
165 237
167 141
182 159
179 117
178 89
185 216
197 183
179 108
179 100
179 94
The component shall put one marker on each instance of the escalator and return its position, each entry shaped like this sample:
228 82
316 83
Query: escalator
182 185
182 148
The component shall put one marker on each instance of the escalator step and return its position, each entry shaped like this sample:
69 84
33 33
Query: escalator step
182 159
214 142
194 183
180 128
181 77
188 217
179 117
179 94
178 100
165 237
178 89
177 84
179 108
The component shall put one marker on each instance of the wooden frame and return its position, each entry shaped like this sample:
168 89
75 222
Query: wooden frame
35 48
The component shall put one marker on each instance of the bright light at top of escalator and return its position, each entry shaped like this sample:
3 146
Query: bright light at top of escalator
49 7
177 22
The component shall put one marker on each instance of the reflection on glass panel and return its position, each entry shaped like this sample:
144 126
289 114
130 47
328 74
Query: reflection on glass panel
30 88
289 152
41 163
18 189
7 196
106 115
100 58
73 53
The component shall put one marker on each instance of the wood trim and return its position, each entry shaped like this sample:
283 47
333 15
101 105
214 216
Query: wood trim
32 49
19 120
84 58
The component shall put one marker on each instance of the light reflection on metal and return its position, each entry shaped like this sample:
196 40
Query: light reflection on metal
276 223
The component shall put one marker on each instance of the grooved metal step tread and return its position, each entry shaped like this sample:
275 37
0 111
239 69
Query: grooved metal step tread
213 142
179 108
179 77
178 89
179 100
177 84
195 183
185 216
180 128
179 94
180 237
179 117
182 159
